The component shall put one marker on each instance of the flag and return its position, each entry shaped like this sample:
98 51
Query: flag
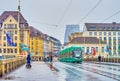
94 51
107 49
9 40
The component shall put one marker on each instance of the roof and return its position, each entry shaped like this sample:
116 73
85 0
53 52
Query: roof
86 40
103 26
54 39
34 32
6 14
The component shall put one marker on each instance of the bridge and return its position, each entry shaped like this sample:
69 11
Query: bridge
15 70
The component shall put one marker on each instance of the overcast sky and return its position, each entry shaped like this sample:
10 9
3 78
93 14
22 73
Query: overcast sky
45 14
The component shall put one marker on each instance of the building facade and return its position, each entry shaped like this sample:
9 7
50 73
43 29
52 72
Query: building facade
109 32
55 45
46 45
88 43
13 24
36 44
74 35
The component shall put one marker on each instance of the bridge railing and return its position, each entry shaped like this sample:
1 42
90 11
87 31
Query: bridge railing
114 60
8 65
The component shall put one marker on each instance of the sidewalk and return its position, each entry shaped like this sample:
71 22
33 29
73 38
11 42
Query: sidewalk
39 72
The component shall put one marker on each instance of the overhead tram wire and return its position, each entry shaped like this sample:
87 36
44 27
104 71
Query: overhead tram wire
111 16
55 25
90 11
66 10
88 14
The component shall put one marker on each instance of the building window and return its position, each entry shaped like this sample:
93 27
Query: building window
90 33
32 43
15 44
22 26
114 38
10 26
15 50
100 33
0 50
104 33
4 38
4 44
32 48
8 50
4 25
118 33
93 28
102 49
10 20
15 32
21 32
0 32
100 38
11 50
109 33
15 25
32 38
119 40
15 38
114 48
95 33
104 38
10 33
96 49
114 33
87 50
4 50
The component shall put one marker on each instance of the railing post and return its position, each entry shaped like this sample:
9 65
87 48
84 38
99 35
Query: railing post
0 68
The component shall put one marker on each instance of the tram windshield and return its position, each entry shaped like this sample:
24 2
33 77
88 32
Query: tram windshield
77 53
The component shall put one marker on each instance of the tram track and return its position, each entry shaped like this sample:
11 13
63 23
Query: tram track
107 74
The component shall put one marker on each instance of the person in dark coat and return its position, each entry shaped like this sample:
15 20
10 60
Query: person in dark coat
28 58
99 58
51 57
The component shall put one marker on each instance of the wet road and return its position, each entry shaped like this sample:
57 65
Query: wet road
88 72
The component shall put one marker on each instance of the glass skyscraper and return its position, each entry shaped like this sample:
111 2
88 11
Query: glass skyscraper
69 30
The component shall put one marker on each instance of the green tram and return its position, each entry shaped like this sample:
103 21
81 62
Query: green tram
72 54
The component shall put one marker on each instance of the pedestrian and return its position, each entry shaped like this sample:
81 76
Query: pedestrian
47 57
99 58
51 57
28 59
